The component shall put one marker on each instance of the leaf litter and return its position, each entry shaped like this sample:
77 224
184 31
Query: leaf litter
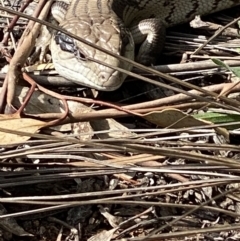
158 169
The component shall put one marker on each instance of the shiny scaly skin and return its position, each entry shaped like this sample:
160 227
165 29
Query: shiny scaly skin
117 25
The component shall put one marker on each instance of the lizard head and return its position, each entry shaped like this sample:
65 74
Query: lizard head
74 60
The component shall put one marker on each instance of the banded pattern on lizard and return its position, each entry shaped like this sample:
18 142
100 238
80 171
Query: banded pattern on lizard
117 25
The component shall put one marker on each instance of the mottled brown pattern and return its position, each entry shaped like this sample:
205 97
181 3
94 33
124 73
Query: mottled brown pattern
117 25
171 12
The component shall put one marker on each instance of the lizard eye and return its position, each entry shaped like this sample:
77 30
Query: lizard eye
79 54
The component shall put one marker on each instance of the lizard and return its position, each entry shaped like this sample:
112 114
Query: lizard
117 25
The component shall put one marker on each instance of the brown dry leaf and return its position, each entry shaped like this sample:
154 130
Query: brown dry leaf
9 116
39 67
11 123
173 118
112 220
103 236
43 103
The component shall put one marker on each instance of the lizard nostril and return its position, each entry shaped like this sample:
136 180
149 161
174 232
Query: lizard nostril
103 77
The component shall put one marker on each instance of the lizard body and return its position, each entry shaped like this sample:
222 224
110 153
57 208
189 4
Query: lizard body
117 25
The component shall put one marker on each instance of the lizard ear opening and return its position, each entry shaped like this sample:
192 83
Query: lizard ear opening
65 42
68 44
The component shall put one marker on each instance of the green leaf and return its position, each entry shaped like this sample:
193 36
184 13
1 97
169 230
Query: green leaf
235 70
